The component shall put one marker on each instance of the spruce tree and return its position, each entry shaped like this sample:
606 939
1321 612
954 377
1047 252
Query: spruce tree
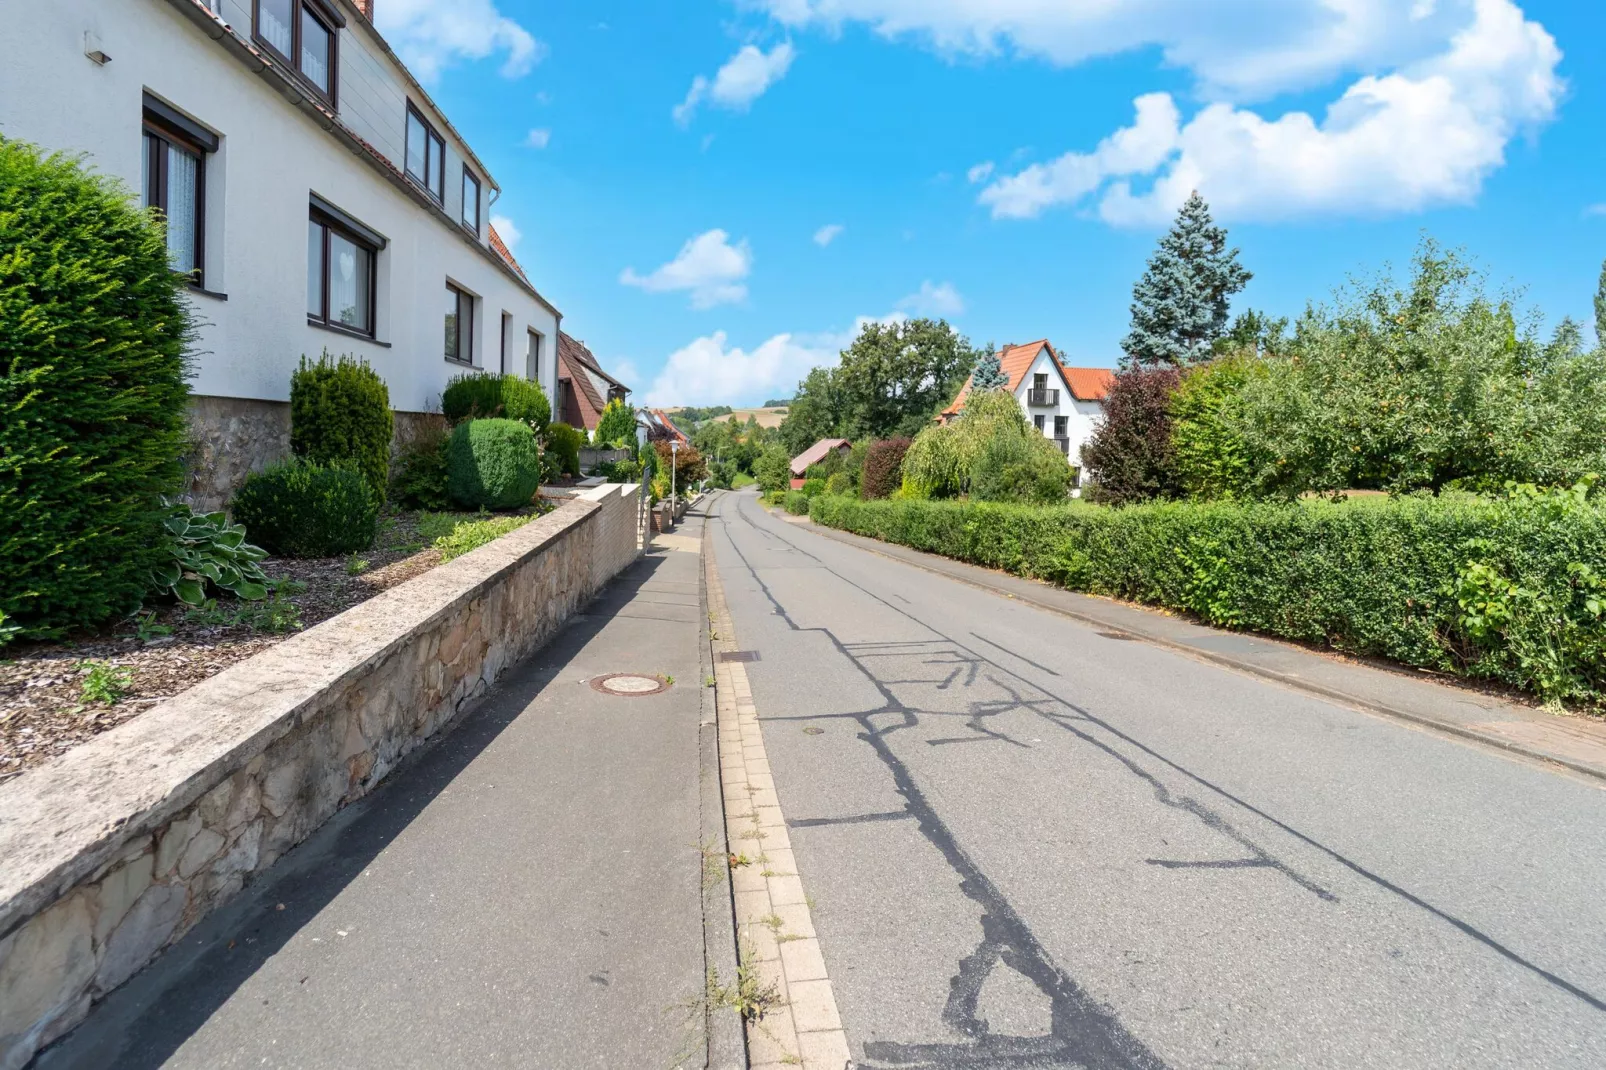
988 374
1179 306
1600 309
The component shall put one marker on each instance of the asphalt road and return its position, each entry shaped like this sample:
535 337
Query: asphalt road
1031 845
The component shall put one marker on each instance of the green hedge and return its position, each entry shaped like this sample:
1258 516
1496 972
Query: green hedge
564 442
93 333
479 396
301 509
340 415
1511 591
795 502
493 464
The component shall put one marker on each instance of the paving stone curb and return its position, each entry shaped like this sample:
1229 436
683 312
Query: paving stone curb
775 931
726 1047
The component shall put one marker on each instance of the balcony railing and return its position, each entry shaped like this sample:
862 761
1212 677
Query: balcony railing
1042 396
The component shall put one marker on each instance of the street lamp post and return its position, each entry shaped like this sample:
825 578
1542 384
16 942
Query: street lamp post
674 450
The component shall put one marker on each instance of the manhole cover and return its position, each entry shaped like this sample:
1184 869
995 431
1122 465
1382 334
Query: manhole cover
629 684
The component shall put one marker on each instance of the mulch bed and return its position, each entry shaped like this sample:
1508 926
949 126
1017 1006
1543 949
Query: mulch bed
42 709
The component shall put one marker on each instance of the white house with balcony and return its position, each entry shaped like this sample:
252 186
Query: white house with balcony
1064 403
316 198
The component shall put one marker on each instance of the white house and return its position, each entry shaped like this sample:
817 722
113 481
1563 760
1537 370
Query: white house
314 192
1062 402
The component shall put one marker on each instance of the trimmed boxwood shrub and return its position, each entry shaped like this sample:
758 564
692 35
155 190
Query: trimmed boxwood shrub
564 443
795 502
93 335
1512 591
480 397
492 464
340 414
813 487
303 509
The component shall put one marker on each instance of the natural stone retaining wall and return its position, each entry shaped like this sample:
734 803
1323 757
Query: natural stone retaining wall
114 850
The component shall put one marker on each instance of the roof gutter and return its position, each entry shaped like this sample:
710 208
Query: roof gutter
218 30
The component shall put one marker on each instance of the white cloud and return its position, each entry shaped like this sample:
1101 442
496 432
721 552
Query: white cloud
938 300
509 233
1596 209
709 371
538 138
827 234
742 80
1426 134
430 36
708 267
980 173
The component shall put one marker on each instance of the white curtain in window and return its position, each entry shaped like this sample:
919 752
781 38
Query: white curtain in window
314 51
315 270
183 194
348 283
273 23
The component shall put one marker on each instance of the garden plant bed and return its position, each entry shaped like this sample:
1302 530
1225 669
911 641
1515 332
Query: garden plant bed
45 712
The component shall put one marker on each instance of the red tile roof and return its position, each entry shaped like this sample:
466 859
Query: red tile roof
1015 362
1088 384
502 251
816 453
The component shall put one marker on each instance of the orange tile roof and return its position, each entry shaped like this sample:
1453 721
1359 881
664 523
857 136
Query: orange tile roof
1088 384
816 453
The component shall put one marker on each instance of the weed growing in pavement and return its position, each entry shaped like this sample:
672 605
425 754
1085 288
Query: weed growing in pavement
104 682
737 861
709 682
669 680
749 996
773 922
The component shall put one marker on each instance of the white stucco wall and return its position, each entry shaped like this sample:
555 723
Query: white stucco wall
271 158
1081 417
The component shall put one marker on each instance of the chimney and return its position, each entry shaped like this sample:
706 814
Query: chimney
366 7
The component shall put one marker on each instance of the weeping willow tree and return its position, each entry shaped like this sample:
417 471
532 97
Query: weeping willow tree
989 452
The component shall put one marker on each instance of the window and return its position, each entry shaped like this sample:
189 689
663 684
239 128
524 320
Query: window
471 201
1061 425
459 325
506 340
173 174
1037 421
340 275
426 156
532 359
1040 381
304 34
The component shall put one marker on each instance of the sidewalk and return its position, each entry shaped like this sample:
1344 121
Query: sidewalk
1576 743
527 893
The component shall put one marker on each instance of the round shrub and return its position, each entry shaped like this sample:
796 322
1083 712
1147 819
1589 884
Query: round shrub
482 397
492 464
565 442
340 414
93 335
303 509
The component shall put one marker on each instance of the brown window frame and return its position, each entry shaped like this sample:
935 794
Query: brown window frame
470 176
326 16
332 225
1037 421
432 140
164 134
464 298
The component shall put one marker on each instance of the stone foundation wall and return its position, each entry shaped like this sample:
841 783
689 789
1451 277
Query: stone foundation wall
115 849
232 437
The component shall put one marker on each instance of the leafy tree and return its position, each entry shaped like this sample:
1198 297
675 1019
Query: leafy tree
815 412
1600 308
773 469
1255 332
989 452
989 374
1211 457
1179 306
617 424
1130 456
896 376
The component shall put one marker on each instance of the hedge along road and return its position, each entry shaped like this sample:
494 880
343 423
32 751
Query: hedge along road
1030 845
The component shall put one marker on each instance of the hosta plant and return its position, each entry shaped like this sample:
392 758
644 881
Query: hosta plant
207 549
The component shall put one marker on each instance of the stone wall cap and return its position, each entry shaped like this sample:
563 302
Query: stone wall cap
63 820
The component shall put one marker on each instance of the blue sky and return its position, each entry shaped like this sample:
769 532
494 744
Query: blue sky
668 169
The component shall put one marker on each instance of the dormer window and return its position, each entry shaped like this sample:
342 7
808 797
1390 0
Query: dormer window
426 155
304 36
